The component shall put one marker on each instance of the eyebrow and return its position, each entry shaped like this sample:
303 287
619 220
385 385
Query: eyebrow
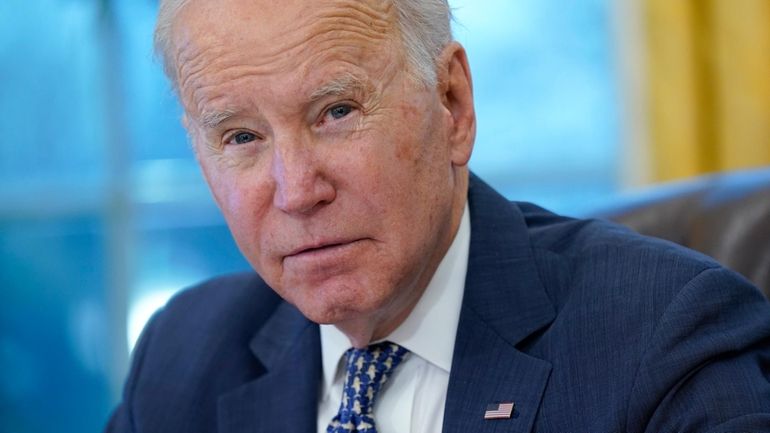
342 85
212 119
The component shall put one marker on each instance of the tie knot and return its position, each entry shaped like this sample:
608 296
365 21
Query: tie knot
375 363
366 371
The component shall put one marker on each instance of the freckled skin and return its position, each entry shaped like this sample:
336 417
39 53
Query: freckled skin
345 216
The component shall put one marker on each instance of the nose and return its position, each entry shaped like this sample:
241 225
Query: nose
301 185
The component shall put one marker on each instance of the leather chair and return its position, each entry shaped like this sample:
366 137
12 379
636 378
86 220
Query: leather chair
726 216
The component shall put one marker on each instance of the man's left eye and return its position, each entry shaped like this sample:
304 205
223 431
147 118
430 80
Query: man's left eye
340 111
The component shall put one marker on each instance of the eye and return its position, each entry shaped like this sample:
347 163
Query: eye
340 111
242 137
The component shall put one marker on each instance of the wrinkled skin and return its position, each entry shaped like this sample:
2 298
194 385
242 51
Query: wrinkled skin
341 177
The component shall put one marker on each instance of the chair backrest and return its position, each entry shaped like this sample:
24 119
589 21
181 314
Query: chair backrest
725 216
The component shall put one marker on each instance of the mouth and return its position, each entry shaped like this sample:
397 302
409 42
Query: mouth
321 247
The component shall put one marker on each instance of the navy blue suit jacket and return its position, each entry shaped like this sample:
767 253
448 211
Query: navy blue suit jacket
586 326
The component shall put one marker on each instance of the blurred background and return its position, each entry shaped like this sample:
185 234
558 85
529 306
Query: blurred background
104 215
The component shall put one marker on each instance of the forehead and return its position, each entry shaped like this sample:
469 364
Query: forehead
219 41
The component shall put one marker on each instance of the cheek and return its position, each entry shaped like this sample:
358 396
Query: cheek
232 187
245 214
222 189
242 202
243 207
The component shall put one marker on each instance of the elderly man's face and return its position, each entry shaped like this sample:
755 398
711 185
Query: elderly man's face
341 178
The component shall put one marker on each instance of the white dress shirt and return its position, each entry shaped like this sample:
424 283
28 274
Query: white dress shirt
412 400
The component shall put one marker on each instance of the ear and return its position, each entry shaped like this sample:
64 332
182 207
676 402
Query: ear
456 91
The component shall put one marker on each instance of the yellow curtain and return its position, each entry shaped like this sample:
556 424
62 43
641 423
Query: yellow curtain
709 85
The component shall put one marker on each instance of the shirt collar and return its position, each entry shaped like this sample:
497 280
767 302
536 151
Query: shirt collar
430 329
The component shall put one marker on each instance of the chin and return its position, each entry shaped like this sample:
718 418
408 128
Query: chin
338 306
329 316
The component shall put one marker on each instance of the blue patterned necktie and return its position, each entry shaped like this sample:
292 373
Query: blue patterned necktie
367 369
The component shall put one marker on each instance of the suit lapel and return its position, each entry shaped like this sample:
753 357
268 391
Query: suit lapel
285 398
504 302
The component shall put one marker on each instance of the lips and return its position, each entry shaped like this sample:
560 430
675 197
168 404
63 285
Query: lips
319 247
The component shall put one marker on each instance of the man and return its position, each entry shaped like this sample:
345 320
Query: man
335 137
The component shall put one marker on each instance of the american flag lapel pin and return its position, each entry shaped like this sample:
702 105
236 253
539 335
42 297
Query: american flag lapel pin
499 410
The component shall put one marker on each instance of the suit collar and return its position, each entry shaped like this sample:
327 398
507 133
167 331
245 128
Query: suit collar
502 285
504 303
285 397
278 338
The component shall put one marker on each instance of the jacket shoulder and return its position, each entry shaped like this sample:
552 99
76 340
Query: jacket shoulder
591 262
567 235
647 335
613 248
193 350
234 298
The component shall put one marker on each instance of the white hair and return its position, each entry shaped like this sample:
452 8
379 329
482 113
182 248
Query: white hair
424 28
